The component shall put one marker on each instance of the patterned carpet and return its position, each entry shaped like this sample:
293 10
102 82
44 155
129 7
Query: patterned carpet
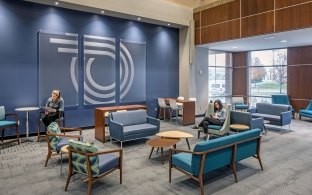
287 160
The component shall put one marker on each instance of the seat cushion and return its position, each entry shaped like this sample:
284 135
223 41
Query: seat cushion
140 128
215 127
241 106
63 141
107 162
305 112
7 123
267 117
183 161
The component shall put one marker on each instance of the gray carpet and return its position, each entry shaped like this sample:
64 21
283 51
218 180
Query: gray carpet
287 160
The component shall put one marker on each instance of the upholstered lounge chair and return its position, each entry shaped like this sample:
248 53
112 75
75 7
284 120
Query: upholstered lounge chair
85 159
215 129
4 123
282 99
56 140
239 104
306 112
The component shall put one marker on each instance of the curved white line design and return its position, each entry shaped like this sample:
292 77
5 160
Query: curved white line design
72 73
124 93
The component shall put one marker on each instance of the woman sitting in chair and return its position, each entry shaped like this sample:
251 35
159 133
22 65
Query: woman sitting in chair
55 102
217 119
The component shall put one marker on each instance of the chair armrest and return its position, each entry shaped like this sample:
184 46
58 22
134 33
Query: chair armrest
257 123
252 110
12 114
285 117
153 121
120 151
62 135
116 129
70 130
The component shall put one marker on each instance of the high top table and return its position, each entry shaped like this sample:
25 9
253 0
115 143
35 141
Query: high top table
27 110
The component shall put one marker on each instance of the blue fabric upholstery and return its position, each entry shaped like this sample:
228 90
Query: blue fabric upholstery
134 124
108 162
245 118
241 106
306 112
282 99
2 113
5 123
221 156
62 142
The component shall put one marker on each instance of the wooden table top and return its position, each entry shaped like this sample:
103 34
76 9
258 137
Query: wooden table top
162 142
239 127
174 134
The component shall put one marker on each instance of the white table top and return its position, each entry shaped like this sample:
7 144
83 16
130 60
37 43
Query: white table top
27 109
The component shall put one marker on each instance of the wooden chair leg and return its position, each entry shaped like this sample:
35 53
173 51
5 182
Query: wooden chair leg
68 179
17 134
260 162
47 159
89 186
2 135
201 185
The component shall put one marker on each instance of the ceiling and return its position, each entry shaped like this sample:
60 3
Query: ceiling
302 37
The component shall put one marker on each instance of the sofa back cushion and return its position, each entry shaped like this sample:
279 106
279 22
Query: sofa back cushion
216 159
249 148
131 117
238 117
273 109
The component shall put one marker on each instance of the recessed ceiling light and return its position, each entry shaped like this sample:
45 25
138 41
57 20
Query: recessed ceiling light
283 41
56 3
102 12
235 47
168 24
269 38
139 18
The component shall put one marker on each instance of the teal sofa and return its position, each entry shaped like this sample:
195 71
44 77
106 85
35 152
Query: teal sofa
307 112
214 154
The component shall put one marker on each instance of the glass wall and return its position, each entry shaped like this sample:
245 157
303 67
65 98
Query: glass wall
219 76
267 75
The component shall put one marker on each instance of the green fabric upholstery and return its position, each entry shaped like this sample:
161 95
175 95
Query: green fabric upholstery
216 127
79 162
53 128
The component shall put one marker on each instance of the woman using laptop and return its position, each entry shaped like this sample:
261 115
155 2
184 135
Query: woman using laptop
54 108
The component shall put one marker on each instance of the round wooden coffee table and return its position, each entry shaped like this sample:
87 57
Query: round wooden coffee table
161 143
239 127
176 134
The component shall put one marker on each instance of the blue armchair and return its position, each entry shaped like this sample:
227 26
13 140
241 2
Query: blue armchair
245 118
282 99
4 123
306 112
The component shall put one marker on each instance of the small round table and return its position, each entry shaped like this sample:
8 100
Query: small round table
176 134
27 109
161 143
64 150
239 127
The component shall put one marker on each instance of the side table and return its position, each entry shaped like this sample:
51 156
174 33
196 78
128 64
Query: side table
239 127
27 110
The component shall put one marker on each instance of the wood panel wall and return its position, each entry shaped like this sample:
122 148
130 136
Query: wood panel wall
244 18
299 71
239 76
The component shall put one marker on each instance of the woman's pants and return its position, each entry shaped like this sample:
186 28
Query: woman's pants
209 121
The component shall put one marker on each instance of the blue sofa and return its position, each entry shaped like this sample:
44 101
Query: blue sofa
214 154
282 99
276 114
131 125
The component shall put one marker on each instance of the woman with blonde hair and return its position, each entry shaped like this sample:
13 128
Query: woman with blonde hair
56 103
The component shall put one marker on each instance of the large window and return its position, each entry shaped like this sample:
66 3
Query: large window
219 76
267 74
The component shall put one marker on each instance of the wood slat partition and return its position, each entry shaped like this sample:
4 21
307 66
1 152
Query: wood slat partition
258 24
299 71
285 3
250 18
239 82
251 7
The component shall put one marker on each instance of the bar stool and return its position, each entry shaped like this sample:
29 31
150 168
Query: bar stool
162 105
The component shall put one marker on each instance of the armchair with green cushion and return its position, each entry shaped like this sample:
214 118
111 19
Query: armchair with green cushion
215 129
282 99
5 123
85 159
307 112
56 140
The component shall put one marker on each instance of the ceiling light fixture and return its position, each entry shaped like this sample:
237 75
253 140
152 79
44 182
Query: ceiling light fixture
168 24
56 3
102 12
283 41
269 38
139 18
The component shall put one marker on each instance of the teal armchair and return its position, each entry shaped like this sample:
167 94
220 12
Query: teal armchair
4 123
85 159
306 112
282 99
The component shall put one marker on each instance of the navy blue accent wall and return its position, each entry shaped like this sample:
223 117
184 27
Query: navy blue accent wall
19 25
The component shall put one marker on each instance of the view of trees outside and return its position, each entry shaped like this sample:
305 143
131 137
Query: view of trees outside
268 75
219 76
